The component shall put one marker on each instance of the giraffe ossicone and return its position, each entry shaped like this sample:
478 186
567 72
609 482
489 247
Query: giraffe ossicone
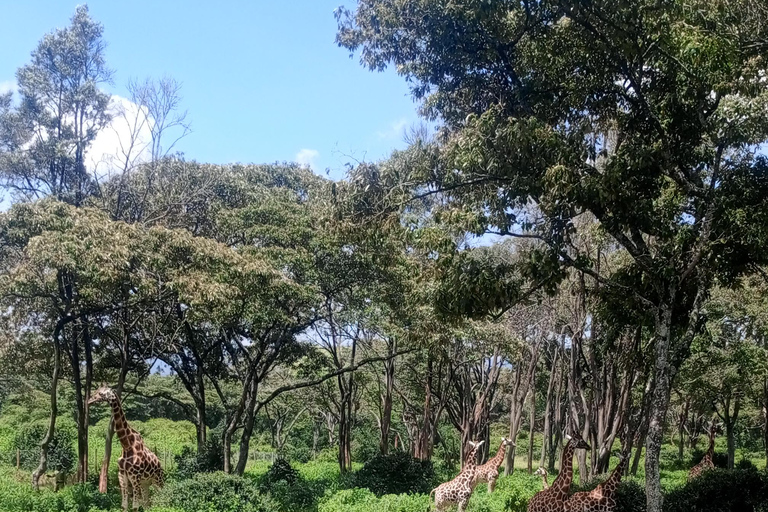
138 468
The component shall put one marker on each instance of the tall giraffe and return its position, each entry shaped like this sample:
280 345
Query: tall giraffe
706 463
543 474
137 468
553 499
601 498
459 489
489 472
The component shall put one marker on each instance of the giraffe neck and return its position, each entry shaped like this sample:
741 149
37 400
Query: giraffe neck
470 464
610 485
499 456
563 481
121 424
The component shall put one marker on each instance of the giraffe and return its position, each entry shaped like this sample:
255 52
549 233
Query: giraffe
459 489
138 468
601 498
543 474
706 463
553 499
489 472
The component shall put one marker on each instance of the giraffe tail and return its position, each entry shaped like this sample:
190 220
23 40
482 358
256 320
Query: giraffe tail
431 493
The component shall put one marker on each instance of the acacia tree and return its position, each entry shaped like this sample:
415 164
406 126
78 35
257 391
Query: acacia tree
65 267
523 88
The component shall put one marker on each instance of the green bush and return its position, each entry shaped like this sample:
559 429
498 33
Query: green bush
745 464
281 470
363 500
287 487
720 491
630 497
19 497
219 492
189 462
61 454
396 473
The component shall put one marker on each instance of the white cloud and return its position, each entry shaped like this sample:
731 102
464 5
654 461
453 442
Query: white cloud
307 157
7 86
396 129
126 138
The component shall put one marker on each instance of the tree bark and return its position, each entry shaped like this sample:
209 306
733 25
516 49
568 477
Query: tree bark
249 420
82 394
546 440
658 408
531 425
46 442
386 399
765 419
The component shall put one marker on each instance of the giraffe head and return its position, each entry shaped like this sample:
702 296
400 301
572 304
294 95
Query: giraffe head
577 442
541 472
474 445
103 394
507 442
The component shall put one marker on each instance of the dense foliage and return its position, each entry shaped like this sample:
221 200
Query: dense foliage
582 245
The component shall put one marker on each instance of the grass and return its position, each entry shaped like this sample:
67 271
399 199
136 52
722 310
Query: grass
168 438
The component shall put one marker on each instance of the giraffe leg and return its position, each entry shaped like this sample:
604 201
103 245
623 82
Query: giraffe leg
491 484
145 494
136 493
125 490
463 504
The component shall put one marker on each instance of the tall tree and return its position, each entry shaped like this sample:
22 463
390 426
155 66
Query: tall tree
523 88
60 112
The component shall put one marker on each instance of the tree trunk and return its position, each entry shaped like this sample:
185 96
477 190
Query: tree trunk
730 420
386 399
765 419
46 442
233 420
658 408
531 425
547 438
201 427
346 385
245 436
82 394
681 427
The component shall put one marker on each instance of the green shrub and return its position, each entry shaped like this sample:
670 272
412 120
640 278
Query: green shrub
189 462
630 497
219 492
745 464
363 500
281 470
61 454
19 497
720 491
396 473
287 487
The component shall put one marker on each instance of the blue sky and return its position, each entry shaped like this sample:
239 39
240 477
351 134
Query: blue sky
262 81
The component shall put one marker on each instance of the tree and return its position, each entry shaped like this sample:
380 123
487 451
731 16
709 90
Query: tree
727 367
61 110
532 93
